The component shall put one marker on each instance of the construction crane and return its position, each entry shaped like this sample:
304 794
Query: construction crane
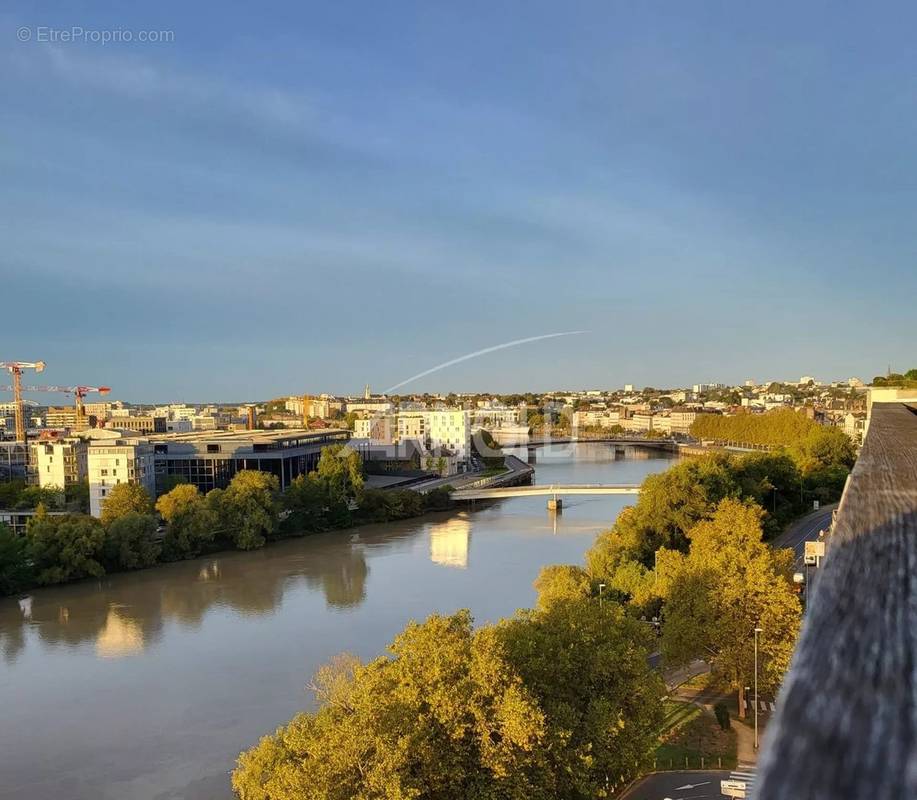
15 369
78 392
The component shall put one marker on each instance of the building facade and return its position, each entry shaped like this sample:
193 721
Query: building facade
112 462
210 460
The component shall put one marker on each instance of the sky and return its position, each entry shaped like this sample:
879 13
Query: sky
307 197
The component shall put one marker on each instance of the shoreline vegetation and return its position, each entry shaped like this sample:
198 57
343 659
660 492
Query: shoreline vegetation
248 514
559 701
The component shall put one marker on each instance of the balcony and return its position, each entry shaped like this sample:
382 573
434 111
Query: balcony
846 725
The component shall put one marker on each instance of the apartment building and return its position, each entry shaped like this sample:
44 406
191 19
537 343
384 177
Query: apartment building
682 419
60 417
376 429
115 461
439 429
59 463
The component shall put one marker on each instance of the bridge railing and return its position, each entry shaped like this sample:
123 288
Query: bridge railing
846 721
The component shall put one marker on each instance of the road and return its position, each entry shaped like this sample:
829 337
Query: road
805 529
694 785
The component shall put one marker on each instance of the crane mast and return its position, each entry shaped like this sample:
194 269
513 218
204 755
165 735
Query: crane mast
15 369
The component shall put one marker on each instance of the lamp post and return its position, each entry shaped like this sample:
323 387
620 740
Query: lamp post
757 631
601 589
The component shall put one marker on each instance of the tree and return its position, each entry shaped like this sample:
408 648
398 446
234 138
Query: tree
130 542
560 582
586 667
309 506
47 496
191 523
16 573
76 496
65 548
546 705
731 583
123 499
443 717
250 508
340 469
824 447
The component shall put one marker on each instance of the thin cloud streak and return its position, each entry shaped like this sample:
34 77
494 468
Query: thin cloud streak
477 353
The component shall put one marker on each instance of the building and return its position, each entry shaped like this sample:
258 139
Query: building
145 424
59 463
855 426
115 461
438 430
18 521
682 419
14 461
209 460
60 417
377 429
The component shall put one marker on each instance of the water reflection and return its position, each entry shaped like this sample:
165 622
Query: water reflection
126 613
449 541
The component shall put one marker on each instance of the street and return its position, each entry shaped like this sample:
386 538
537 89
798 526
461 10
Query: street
678 786
805 529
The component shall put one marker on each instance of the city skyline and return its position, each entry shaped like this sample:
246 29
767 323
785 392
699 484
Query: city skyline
216 215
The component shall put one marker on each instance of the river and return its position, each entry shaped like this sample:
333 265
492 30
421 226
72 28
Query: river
146 685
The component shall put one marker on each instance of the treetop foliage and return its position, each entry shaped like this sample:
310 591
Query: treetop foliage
545 705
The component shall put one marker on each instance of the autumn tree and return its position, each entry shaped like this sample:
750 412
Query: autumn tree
444 716
130 542
123 498
560 582
585 664
732 582
553 704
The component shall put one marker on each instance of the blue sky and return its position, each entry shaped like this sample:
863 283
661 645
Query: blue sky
311 197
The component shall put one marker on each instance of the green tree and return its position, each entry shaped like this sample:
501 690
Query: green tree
67 547
130 542
123 498
250 507
191 523
340 469
16 572
76 496
824 447
731 583
51 498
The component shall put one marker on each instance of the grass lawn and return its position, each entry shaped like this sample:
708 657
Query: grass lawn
691 738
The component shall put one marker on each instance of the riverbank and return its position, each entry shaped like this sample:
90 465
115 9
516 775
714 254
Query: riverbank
223 644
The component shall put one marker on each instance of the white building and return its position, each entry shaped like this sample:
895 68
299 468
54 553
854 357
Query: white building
60 463
448 429
119 461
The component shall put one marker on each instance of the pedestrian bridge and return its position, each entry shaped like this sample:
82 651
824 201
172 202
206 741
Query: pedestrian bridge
553 490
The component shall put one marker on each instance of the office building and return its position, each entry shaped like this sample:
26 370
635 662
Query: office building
210 460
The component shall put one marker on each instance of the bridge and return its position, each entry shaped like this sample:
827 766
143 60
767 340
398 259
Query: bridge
555 491
669 445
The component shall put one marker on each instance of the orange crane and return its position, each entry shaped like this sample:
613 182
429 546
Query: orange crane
78 392
15 369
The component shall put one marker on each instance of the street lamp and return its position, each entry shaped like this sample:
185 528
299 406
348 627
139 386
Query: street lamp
601 588
757 631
